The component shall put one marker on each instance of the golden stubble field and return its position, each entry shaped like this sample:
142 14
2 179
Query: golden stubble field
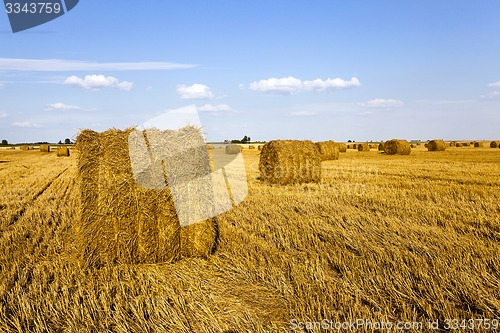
382 238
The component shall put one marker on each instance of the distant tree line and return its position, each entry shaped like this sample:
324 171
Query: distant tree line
67 141
246 139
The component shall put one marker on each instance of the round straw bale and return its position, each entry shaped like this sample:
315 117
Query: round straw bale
290 162
354 146
251 147
478 144
342 147
45 148
363 147
328 150
381 146
436 145
233 149
412 146
397 147
493 144
465 144
62 151
458 144
259 147
349 146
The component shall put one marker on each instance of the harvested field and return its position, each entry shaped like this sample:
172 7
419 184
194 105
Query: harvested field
394 238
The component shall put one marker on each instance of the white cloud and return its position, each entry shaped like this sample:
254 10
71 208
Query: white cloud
290 85
214 108
97 82
3 114
196 91
494 85
62 107
285 85
25 124
303 113
493 94
53 65
384 103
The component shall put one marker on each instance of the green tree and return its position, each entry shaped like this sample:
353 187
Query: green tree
4 142
67 141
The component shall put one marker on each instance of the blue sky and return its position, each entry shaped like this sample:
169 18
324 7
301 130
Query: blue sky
319 70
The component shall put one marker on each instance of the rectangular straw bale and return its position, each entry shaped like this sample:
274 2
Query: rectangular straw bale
290 162
121 221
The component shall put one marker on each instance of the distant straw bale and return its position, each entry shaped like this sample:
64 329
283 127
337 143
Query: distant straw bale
363 147
413 146
45 148
123 222
354 146
233 149
436 145
493 144
478 144
259 147
290 162
251 147
465 144
397 147
458 144
342 147
62 151
381 146
328 150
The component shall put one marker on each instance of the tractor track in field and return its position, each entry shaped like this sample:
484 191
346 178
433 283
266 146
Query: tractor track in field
21 212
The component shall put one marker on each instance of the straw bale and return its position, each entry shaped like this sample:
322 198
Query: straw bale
342 147
397 147
436 145
129 219
328 150
62 151
233 149
363 147
290 162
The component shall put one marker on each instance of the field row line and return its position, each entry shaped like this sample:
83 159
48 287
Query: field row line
21 211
